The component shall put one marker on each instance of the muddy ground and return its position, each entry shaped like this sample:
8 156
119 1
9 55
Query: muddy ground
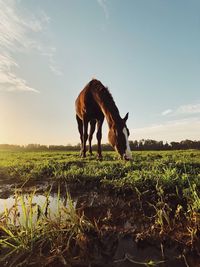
125 232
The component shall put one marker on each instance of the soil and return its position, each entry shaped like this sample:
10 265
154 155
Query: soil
125 232
129 237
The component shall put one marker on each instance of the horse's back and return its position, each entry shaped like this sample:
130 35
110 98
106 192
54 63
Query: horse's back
86 102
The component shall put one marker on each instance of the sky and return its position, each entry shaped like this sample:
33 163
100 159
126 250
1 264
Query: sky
147 52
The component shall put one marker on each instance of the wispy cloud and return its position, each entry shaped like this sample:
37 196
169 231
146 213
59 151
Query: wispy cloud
9 80
103 5
16 36
170 131
50 53
166 112
189 109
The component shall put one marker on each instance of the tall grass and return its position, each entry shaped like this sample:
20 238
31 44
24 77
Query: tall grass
164 186
30 233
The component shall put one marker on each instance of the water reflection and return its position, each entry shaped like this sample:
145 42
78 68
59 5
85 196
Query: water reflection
25 205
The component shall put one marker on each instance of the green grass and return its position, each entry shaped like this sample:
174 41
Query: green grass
44 241
168 177
171 168
164 187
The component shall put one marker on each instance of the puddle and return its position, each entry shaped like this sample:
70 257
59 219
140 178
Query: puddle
13 206
110 212
7 190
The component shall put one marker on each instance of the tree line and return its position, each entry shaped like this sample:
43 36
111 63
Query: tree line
144 144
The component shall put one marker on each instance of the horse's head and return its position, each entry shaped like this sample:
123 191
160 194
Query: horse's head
118 138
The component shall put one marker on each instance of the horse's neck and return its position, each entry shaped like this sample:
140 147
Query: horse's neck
107 105
112 115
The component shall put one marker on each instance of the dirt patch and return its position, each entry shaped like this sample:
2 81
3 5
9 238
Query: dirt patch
129 238
126 231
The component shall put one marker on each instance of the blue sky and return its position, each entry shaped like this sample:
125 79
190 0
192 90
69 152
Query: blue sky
146 51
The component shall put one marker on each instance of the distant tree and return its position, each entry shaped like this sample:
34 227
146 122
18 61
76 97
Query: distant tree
187 144
7 146
166 146
35 147
143 144
175 145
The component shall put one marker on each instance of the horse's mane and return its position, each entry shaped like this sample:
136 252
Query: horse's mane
104 96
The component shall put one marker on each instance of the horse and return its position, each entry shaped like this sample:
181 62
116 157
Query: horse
93 104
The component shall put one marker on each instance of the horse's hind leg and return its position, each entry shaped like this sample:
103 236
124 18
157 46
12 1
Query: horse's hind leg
85 136
99 136
92 129
80 129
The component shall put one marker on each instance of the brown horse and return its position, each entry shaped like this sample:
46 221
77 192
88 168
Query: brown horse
93 103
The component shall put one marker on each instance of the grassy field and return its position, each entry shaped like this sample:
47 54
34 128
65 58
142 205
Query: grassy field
156 197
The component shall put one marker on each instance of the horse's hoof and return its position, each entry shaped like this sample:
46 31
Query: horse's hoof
100 158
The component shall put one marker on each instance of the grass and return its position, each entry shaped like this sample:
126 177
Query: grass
45 240
162 176
162 186
169 167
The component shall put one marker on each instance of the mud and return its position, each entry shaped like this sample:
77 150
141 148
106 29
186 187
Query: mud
125 236
128 237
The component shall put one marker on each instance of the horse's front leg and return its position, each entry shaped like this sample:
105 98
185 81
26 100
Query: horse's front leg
92 129
80 129
85 136
99 136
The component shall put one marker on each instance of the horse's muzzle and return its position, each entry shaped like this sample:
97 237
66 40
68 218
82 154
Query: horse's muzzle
125 157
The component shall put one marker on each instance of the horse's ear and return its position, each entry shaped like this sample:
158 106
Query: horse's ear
126 118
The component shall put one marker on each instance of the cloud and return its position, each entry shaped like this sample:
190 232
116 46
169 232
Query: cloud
189 109
15 27
170 131
103 5
166 112
49 53
18 33
8 80
55 69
